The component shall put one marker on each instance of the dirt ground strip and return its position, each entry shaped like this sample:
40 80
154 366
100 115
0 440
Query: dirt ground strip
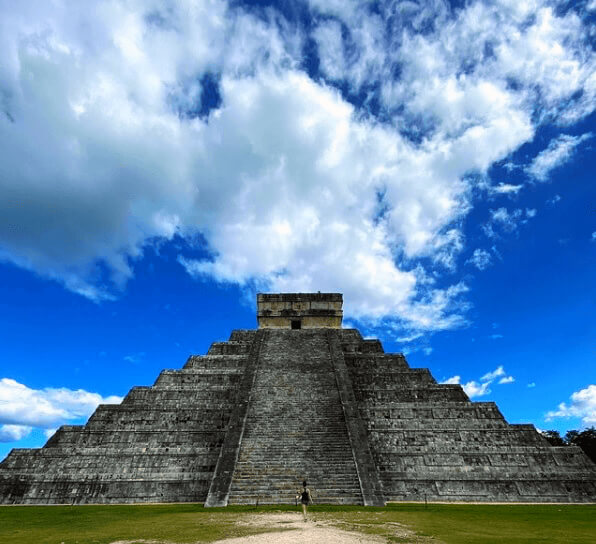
290 528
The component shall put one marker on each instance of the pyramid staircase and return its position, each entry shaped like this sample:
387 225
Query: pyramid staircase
295 428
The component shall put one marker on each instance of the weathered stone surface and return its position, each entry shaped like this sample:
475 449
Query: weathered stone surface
161 444
296 428
429 441
219 491
258 414
372 493
299 310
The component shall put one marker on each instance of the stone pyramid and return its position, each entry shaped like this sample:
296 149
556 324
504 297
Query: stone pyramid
298 398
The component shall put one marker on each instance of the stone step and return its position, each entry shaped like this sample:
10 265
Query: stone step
428 394
254 486
229 348
337 470
291 485
348 486
295 420
215 361
242 335
270 453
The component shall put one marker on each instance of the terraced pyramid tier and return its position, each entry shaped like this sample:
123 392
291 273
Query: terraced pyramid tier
161 444
431 443
258 414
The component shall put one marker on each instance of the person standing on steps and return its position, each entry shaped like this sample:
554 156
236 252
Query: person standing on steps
305 498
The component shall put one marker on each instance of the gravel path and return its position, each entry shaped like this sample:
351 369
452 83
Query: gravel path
290 528
297 531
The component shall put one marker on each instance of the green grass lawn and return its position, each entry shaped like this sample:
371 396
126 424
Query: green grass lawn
459 523
568 524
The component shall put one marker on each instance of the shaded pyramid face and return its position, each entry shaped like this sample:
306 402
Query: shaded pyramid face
271 407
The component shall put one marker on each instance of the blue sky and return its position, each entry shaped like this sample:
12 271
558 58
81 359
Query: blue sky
160 165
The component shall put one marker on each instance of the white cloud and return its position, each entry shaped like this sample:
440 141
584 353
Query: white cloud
291 212
343 8
502 215
582 405
331 51
292 186
490 376
496 336
134 357
21 406
481 259
506 188
475 389
553 201
531 385
594 236
410 337
481 388
471 388
309 217
507 221
559 151
363 57
499 44
12 433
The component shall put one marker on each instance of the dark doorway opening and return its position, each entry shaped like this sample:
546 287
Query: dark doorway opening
296 324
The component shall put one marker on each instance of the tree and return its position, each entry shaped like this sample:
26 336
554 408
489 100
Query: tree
586 440
554 438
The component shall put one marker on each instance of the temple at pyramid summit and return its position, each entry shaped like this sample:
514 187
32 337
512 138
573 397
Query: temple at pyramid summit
298 398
